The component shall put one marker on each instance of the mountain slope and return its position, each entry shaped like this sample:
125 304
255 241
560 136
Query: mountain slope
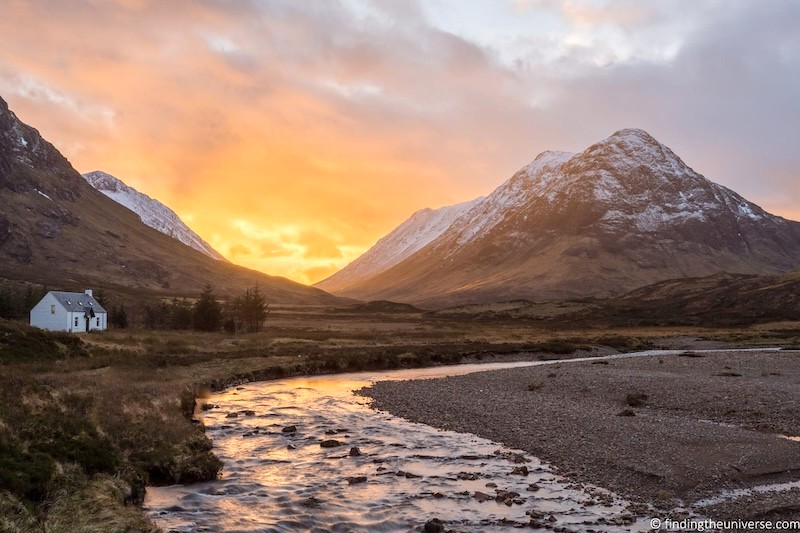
56 229
423 227
152 212
624 213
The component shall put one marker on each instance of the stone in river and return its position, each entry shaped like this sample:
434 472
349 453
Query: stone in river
289 429
434 525
519 471
482 496
353 480
330 443
355 452
232 415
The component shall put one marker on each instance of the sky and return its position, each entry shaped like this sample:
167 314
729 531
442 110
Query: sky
293 134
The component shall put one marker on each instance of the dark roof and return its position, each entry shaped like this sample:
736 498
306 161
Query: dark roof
77 301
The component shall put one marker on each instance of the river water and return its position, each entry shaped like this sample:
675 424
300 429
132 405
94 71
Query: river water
276 480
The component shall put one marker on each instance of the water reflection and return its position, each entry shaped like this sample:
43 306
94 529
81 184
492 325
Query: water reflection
276 479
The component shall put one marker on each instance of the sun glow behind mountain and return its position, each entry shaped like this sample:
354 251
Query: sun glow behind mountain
291 136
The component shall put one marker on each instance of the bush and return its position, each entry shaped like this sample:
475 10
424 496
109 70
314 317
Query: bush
25 474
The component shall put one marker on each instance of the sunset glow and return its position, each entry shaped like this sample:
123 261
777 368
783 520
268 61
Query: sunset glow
292 135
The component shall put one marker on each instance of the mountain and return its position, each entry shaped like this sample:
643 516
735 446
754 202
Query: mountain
57 230
624 213
150 211
423 227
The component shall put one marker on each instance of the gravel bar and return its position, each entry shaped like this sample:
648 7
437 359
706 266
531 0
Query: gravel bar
697 424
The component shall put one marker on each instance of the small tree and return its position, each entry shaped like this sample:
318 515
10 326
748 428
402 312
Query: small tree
250 310
181 314
207 311
118 317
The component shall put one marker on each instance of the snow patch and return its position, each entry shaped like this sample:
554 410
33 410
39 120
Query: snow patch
43 194
150 211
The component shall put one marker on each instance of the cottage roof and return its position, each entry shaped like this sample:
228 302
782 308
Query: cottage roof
77 301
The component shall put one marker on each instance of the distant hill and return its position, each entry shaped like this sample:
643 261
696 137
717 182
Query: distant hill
624 213
152 212
56 229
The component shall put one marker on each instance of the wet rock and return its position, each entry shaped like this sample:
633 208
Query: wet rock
232 415
249 412
468 476
291 447
491 485
508 497
289 429
209 406
330 443
330 432
519 471
482 496
408 475
533 487
438 495
516 458
354 480
434 525
311 502
355 452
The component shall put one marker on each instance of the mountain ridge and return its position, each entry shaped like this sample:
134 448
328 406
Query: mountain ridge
152 212
623 213
57 230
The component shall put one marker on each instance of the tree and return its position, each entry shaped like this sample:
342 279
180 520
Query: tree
118 317
181 314
250 310
207 311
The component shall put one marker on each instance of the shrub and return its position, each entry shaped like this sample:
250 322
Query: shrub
25 474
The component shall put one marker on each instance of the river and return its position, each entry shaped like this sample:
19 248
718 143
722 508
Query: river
402 474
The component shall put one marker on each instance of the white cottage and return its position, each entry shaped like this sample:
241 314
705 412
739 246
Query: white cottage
69 311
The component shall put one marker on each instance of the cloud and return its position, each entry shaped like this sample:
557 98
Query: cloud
325 124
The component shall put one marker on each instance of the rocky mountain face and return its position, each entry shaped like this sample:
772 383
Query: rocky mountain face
150 211
57 230
624 213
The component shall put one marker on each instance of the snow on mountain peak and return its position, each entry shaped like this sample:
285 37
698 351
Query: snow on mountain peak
409 237
152 212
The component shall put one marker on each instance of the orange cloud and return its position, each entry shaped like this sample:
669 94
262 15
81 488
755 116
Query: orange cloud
297 134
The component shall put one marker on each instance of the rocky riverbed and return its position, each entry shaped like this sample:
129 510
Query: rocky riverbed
670 430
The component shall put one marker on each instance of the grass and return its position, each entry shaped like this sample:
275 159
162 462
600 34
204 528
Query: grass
87 420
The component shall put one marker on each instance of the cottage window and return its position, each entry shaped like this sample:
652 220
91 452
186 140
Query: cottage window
98 322
76 322
53 309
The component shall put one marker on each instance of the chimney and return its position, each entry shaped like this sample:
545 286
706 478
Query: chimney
88 292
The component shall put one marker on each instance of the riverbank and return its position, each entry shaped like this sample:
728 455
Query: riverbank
88 420
663 430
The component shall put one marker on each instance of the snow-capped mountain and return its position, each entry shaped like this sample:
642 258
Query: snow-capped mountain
150 211
423 227
58 230
624 213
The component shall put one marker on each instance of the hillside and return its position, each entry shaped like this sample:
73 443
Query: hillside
152 212
57 230
624 213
